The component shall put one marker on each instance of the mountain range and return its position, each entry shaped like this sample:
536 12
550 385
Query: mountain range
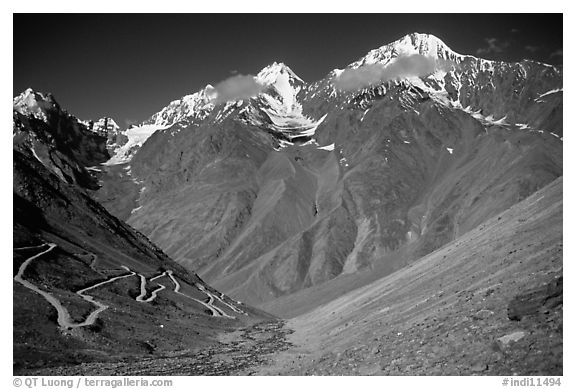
300 196
305 181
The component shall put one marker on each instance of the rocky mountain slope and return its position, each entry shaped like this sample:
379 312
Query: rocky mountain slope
303 182
87 286
56 139
488 303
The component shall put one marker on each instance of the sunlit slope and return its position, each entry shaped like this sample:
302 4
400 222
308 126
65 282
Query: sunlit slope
450 312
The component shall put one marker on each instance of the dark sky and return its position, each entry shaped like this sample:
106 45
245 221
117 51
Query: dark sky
130 66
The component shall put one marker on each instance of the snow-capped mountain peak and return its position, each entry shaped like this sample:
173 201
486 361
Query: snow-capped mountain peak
35 104
283 86
412 44
277 107
270 74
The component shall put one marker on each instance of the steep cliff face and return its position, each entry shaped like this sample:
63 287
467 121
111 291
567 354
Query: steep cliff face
306 182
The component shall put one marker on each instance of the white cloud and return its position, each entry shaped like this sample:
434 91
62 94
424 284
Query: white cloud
238 87
415 65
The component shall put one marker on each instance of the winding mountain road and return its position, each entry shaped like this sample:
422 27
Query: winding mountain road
215 310
64 319
211 298
101 307
154 294
141 298
66 322
232 307
143 291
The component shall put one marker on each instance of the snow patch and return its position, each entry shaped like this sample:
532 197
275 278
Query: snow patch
489 119
327 148
36 155
550 92
136 138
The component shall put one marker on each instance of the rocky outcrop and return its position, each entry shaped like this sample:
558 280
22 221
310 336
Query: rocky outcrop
537 300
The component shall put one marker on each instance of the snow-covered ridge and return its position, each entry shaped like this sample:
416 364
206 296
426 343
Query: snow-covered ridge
194 106
277 103
426 45
199 105
456 85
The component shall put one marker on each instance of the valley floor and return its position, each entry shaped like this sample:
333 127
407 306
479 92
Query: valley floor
241 352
